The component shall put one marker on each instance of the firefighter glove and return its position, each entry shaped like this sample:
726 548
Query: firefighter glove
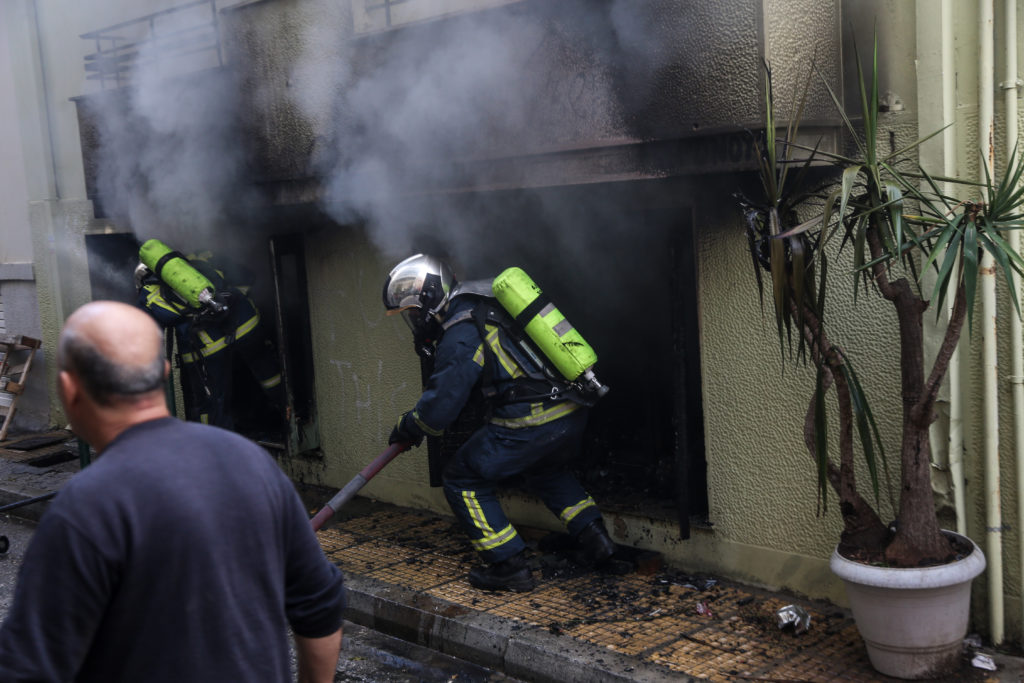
406 432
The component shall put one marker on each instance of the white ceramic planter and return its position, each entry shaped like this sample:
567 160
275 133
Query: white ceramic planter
913 621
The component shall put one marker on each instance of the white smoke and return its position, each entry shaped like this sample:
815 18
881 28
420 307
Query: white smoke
427 105
171 162
405 121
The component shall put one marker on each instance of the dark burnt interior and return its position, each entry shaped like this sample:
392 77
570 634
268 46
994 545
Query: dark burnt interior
624 274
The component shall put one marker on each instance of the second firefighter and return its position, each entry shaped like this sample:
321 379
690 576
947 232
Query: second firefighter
534 430
210 332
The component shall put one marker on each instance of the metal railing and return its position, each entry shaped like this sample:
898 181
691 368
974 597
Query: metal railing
184 38
374 6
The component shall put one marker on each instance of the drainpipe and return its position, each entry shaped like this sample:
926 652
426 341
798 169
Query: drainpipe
987 284
949 169
1009 87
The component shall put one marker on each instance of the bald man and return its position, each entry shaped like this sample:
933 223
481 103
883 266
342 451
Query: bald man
182 554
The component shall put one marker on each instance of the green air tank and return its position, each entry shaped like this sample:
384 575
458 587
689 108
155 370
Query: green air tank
175 270
547 327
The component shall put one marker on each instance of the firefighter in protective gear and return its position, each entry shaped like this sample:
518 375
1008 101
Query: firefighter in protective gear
532 440
207 340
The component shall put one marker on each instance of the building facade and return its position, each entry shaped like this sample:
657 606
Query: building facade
599 145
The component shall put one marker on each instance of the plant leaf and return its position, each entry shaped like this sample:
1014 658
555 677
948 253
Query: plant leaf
867 430
970 261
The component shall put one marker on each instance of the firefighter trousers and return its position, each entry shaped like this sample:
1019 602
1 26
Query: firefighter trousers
208 398
538 458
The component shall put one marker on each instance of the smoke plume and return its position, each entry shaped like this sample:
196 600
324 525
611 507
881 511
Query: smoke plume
418 112
407 121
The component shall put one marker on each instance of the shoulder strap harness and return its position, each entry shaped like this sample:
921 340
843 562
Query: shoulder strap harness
540 382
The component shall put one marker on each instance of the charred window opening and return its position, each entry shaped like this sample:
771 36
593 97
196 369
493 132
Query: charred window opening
625 276
644 449
112 258
294 341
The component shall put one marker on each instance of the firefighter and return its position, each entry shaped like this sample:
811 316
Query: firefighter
530 440
208 337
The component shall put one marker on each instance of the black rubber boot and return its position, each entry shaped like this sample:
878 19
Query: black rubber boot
595 545
508 575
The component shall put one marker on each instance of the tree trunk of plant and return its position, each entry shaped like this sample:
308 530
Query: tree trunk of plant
918 539
862 528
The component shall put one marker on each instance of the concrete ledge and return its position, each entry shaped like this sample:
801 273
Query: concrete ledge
518 650
16 271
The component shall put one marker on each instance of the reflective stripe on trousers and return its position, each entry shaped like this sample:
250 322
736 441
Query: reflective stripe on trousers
212 346
489 539
569 513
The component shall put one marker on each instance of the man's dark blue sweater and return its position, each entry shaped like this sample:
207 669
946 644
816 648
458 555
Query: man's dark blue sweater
182 554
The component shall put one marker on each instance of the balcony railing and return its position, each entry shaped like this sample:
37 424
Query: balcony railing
176 40
376 7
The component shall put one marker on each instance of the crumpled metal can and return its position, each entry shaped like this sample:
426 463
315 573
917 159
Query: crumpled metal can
981 661
796 616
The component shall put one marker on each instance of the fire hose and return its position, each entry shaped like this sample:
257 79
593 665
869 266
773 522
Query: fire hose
5 544
358 482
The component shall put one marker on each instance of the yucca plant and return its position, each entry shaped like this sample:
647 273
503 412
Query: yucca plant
898 225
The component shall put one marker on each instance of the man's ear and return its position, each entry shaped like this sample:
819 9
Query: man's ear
167 369
70 393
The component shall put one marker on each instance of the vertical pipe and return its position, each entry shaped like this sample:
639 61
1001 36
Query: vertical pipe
84 454
949 169
1016 325
987 285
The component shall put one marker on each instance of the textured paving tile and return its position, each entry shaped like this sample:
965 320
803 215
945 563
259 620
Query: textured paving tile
706 629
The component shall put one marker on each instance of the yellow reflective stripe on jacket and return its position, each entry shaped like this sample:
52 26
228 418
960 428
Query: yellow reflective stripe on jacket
272 382
212 346
424 426
247 327
537 416
493 340
570 512
154 298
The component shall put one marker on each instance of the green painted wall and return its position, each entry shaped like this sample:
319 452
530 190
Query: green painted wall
366 371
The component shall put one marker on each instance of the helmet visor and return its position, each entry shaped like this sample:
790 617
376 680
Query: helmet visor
420 280
415 318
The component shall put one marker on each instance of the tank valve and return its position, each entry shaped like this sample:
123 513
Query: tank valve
208 300
593 384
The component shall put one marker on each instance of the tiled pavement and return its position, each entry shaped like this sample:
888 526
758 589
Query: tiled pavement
695 626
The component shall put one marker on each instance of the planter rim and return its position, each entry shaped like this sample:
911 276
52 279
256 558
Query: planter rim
935 576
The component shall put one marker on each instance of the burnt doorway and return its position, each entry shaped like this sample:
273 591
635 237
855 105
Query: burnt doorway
112 258
295 342
625 275
644 450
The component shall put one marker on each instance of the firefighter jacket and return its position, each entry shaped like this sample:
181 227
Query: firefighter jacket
197 336
458 366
